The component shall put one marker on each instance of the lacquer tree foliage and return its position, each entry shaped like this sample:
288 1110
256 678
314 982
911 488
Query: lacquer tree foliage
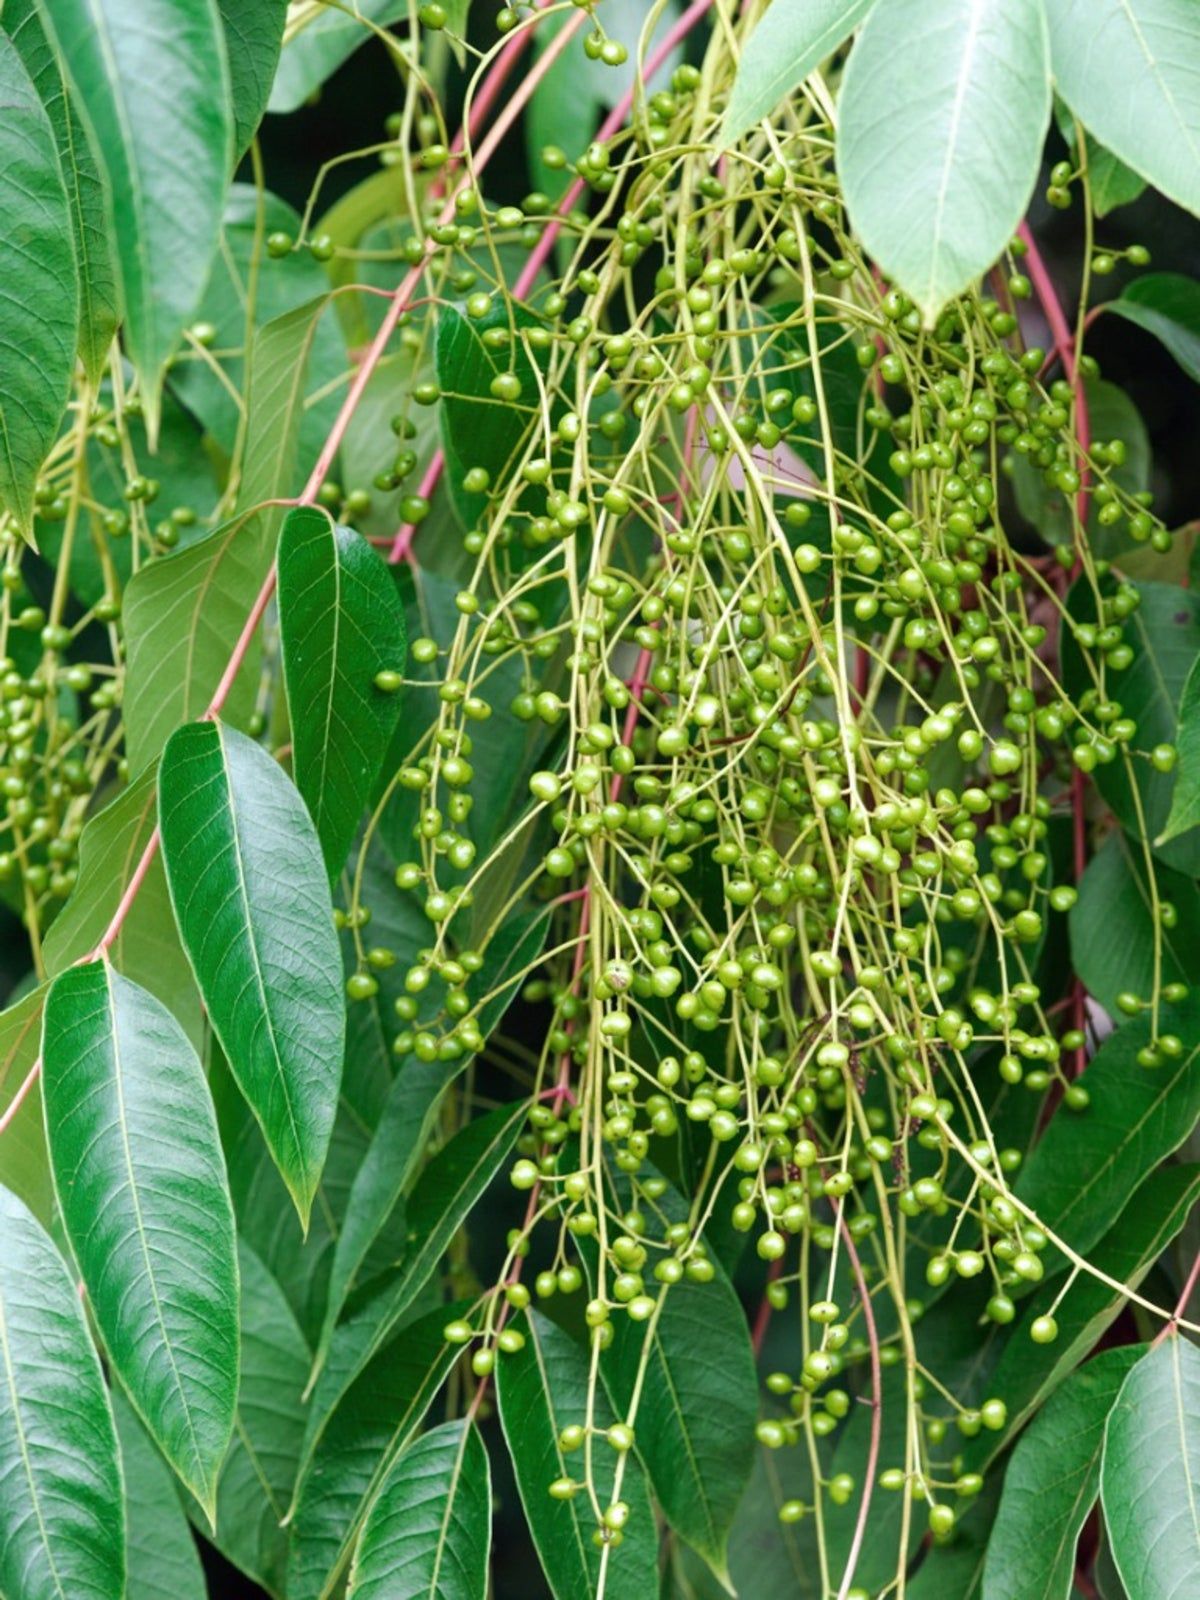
600 777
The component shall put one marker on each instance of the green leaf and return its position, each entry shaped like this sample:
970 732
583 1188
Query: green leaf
372 1423
937 182
38 326
1084 1167
299 1261
409 1116
1051 1484
1113 925
62 1522
479 430
1166 304
1151 1470
1164 633
141 1183
1127 70
1185 801
791 40
24 1159
341 623
440 1203
253 40
148 77
164 1563
399 1142
247 291
328 37
429 1528
541 1388
98 309
1027 1372
183 615
147 948
699 1404
259 1472
252 903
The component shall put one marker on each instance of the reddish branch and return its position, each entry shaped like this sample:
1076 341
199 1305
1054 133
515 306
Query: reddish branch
399 303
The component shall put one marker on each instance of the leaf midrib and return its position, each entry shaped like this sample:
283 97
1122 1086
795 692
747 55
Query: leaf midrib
10 1377
135 1199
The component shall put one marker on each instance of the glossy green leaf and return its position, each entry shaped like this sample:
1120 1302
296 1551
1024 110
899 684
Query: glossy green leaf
1113 924
259 1471
1164 634
252 903
1084 1167
1027 1372
1185 800
147 948
791 40
699 1402
479 430
372 1423
183 615
98 309
328 36
404 1130
141 1183
163 1561
341 623
253 40
408 1118
1127 70
429 1528
182 618
38 326
440 1203
1166 304
1151 1474
150 76
1051 1484
247 291
937 182
24 1159
541 1388
62 1521
298 1260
